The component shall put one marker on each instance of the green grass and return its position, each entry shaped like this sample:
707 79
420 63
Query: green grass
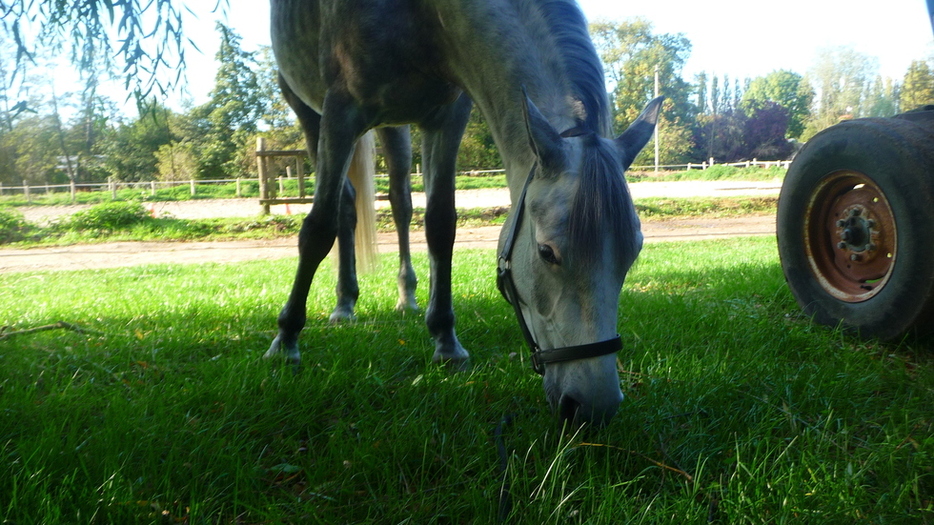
663 208
737 410
718 172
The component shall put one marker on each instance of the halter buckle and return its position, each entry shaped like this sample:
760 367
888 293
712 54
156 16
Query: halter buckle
537 366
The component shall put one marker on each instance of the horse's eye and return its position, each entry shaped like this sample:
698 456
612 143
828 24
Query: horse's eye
547 253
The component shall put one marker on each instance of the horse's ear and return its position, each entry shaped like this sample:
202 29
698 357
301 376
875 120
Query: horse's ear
543 137
631 142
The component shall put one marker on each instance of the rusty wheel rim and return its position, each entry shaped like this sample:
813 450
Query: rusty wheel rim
850 236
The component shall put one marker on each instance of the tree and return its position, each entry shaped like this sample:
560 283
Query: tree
278 114
176 161
785 88
700 86
229 121
630 53
675 142
150 36
841 78
765 132
882 98
31 150
720 136
478 151
918 86
130 148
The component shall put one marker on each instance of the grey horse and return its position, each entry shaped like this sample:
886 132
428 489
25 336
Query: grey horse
531 68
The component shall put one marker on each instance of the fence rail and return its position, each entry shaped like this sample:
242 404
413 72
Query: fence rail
754 163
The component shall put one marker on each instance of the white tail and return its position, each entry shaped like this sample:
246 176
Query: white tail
361 174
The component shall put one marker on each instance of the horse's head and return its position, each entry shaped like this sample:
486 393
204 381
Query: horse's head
564 254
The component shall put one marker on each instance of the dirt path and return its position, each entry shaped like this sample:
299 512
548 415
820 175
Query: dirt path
118 254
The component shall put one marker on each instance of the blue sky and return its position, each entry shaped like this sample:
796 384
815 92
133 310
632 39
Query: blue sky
739 38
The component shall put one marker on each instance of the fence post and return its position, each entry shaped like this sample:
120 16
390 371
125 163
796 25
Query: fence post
300 168
113 187
710 162
238 188
192 183
281 185
74 190
261 171
26 192
1 189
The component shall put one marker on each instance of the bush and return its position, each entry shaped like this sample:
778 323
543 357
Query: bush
109 216
13 227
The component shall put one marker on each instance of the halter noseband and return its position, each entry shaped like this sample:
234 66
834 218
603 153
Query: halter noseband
507 287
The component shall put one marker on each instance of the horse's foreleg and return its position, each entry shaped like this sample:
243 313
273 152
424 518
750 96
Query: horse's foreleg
397 149
442 136
340 127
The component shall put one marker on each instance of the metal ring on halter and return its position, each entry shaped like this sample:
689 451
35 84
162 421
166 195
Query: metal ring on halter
507 287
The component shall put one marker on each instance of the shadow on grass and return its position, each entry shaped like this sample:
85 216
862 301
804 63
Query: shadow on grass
737 406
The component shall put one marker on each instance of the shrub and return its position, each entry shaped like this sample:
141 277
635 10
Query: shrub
13 227
109 216
720 171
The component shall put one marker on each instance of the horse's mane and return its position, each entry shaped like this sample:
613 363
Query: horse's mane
602 206
581 63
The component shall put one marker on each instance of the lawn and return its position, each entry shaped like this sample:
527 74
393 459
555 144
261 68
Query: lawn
737 410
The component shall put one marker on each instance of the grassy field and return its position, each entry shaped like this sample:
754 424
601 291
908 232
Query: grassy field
737 410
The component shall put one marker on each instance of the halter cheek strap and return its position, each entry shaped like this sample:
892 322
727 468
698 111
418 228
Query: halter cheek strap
507 287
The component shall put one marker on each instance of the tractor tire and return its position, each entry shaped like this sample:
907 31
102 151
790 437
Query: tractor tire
855 226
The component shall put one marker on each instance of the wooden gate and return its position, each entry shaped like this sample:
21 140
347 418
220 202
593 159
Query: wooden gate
270 184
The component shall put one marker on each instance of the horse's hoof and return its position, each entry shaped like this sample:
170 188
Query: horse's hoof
455 360
406 306
280 350
455 365
342 315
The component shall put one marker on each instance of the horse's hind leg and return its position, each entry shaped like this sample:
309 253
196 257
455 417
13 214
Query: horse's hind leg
347 289
340 127
397 148
442 136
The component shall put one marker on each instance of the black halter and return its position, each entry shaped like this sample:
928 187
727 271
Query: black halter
507 287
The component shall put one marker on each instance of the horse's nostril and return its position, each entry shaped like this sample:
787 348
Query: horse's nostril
568 409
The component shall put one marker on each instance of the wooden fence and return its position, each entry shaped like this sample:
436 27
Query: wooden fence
754 163
271 182
111 186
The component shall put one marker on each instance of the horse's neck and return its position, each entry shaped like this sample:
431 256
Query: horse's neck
495 56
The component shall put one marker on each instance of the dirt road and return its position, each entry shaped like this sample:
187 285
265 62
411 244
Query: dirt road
111 255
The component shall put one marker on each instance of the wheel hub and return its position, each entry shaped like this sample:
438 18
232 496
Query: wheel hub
856 232
850 236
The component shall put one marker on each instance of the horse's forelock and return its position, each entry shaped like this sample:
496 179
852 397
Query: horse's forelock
602 209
